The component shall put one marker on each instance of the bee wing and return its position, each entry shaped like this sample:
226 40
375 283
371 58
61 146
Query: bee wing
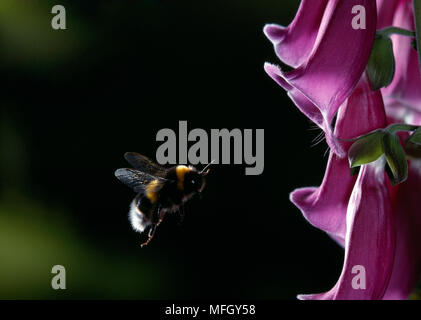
145 164
135 179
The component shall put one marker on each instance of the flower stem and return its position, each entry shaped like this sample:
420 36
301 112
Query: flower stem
393 128
388 31
417 16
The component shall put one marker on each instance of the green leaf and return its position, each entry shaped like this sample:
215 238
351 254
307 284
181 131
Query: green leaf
395 157
366 149
413 145
416 137
381 64
412 150
417 15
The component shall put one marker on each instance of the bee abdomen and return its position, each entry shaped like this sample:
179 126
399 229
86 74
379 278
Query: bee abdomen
138 219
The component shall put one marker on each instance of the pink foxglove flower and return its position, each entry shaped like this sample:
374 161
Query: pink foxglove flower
378 224
313 44
355 211
403 103
325 207
403 96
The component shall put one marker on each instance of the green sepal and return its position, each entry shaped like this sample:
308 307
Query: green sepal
412 150
389 173
416 137
381 64
366 149
395 157
413 145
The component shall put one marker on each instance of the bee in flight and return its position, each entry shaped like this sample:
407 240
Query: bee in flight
159 190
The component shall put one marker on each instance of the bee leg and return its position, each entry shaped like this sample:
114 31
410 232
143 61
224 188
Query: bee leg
161 215
150 235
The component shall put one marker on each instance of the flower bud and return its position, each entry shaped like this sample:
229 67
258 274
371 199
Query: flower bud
381 65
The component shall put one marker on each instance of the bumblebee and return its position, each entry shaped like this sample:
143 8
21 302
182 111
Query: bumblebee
159 190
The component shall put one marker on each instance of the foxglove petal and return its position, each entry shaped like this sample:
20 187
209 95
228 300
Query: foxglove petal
326 79
405 88
406 203
294 43
385 12
325 207
370 239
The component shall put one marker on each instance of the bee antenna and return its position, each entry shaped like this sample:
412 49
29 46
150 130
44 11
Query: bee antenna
207 166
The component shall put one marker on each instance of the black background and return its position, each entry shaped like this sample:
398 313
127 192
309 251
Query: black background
143 66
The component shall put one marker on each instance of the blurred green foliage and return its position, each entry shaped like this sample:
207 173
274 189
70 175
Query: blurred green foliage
27 39
30 244
36 236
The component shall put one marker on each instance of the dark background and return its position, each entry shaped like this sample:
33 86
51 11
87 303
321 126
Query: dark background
73 101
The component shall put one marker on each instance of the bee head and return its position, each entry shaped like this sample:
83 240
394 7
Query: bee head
194 181
190 180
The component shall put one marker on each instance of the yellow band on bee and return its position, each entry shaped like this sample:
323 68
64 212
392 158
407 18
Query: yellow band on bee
151 194
181 172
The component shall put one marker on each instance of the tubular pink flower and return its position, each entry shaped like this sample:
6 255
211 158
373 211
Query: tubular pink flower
406 203
403 95
370 239
293 44
378 225
318 86
403 103
385 12
356 212
325 207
